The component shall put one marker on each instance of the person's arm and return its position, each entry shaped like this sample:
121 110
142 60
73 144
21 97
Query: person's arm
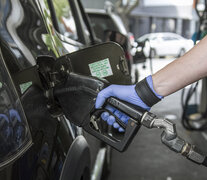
183 71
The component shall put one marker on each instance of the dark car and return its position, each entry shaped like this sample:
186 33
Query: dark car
29 32
107 23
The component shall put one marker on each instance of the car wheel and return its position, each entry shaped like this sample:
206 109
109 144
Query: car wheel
152 53
182 52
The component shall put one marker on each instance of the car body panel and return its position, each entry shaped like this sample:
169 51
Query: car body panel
27 31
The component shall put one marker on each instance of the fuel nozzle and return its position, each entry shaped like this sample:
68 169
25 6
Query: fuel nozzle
76 96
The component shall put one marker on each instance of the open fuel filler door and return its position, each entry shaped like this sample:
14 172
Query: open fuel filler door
93 69
105 60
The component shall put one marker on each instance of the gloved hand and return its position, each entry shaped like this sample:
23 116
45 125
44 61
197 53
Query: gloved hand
111 119
125 93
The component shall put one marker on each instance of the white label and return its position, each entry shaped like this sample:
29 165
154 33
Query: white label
101 68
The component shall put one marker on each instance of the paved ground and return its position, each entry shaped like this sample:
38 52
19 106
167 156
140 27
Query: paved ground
148 159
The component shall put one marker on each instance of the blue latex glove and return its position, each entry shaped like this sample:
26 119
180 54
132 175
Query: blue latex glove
111 119
125 93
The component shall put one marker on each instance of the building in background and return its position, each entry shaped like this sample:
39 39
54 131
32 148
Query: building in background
155 16
164 16
121 7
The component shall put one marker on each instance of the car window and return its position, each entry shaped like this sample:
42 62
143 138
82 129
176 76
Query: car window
50 39
154 38
65 19
86 29
174 38
101 23
119 24
167 38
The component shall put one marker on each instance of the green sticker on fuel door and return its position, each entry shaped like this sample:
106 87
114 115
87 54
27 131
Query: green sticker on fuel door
101 68
25 86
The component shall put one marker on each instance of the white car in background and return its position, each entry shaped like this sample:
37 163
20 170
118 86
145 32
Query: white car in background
164 44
